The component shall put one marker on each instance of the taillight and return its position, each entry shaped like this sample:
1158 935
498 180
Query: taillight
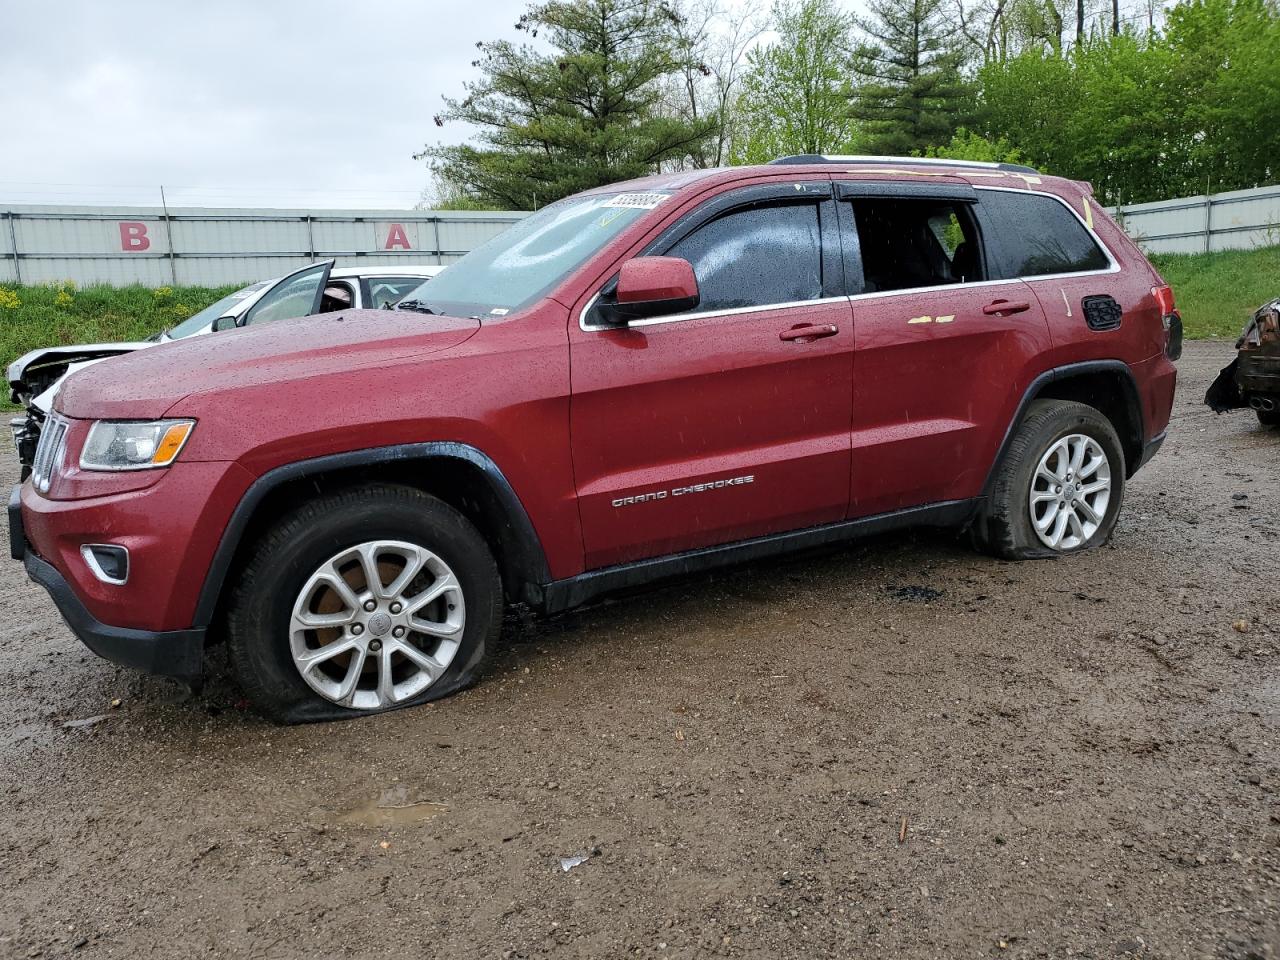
1170 320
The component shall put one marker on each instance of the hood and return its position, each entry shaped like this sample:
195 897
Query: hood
146 383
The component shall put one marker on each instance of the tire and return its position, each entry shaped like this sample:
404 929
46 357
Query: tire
272 626
1005 524
1269 418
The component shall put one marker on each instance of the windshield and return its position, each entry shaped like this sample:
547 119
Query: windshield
196 323
524 262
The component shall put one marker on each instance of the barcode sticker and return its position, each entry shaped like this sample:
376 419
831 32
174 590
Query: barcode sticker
642 201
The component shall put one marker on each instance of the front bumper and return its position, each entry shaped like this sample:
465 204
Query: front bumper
170 653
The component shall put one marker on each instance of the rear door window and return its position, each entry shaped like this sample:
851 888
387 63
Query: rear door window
908 243
1034 236
756 256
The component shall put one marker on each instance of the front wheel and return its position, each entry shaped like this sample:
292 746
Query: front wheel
1058 488
360 602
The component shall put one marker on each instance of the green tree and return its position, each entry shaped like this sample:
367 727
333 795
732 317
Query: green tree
911 94
1147 115
1227 91
795 93
1098 114
966 145
583 113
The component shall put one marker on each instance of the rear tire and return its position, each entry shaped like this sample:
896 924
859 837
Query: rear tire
360 602
1058 488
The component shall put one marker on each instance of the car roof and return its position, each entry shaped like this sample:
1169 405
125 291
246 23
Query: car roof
906 169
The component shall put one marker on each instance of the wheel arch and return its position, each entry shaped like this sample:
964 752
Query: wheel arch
462 476
1106 385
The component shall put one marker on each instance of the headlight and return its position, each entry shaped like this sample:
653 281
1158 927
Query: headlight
134 444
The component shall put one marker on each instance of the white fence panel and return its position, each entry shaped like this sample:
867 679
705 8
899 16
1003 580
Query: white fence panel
215 247
1237 220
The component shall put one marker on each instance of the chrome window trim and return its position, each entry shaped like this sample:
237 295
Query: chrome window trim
679 317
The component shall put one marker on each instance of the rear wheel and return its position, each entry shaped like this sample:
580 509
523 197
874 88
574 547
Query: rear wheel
360 602
1058 488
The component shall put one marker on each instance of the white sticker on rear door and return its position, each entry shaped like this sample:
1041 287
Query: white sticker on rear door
641 201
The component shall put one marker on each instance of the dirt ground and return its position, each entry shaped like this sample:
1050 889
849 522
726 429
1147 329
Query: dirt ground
1084 753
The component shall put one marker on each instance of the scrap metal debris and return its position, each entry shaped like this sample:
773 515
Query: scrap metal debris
578 859
86 722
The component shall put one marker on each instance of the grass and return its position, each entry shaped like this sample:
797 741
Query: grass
60 313
1216 292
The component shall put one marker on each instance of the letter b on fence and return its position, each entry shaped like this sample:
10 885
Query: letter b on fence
133 236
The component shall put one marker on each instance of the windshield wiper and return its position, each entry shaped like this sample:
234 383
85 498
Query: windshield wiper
419 306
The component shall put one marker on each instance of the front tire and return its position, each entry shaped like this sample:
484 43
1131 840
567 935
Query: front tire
360 602
1059 487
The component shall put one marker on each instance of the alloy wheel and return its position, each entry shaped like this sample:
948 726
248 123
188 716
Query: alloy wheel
377 624
1070 492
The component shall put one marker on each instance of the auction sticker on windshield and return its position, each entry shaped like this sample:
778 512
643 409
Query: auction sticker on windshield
643 201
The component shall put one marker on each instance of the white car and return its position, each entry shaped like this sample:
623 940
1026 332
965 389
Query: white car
316 288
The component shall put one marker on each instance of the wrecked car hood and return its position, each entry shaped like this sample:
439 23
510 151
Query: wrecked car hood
37 369
148 382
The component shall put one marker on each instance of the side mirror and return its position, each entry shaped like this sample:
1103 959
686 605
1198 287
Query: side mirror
652 287
224 323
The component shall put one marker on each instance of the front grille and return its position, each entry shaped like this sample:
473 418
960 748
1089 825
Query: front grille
53 442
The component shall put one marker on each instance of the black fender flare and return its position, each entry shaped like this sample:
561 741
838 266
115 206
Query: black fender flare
527 556
1133 401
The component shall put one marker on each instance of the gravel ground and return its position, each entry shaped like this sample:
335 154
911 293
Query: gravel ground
899 749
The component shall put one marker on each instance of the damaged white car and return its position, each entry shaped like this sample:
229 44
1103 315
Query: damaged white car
316 288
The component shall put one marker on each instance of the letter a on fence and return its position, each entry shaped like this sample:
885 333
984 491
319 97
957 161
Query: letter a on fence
396 237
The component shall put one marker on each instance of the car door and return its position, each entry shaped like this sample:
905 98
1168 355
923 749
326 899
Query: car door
940 350
297 294
730 421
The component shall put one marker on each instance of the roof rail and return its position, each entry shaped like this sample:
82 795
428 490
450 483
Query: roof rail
902 161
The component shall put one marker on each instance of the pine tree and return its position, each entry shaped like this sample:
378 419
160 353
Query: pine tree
911 95
584 113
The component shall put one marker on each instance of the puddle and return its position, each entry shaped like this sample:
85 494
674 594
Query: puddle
392 809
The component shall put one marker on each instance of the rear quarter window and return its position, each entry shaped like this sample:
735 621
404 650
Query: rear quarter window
1032 235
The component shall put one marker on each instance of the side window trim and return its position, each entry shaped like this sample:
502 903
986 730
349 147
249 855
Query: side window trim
850 248
1113 263
963 200
817 192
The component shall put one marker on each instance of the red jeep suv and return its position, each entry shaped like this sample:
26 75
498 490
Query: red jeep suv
639 381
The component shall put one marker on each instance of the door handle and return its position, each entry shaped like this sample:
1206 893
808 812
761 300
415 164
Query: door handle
999 308
805 332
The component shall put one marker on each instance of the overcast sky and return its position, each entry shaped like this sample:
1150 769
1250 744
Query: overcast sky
281 103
